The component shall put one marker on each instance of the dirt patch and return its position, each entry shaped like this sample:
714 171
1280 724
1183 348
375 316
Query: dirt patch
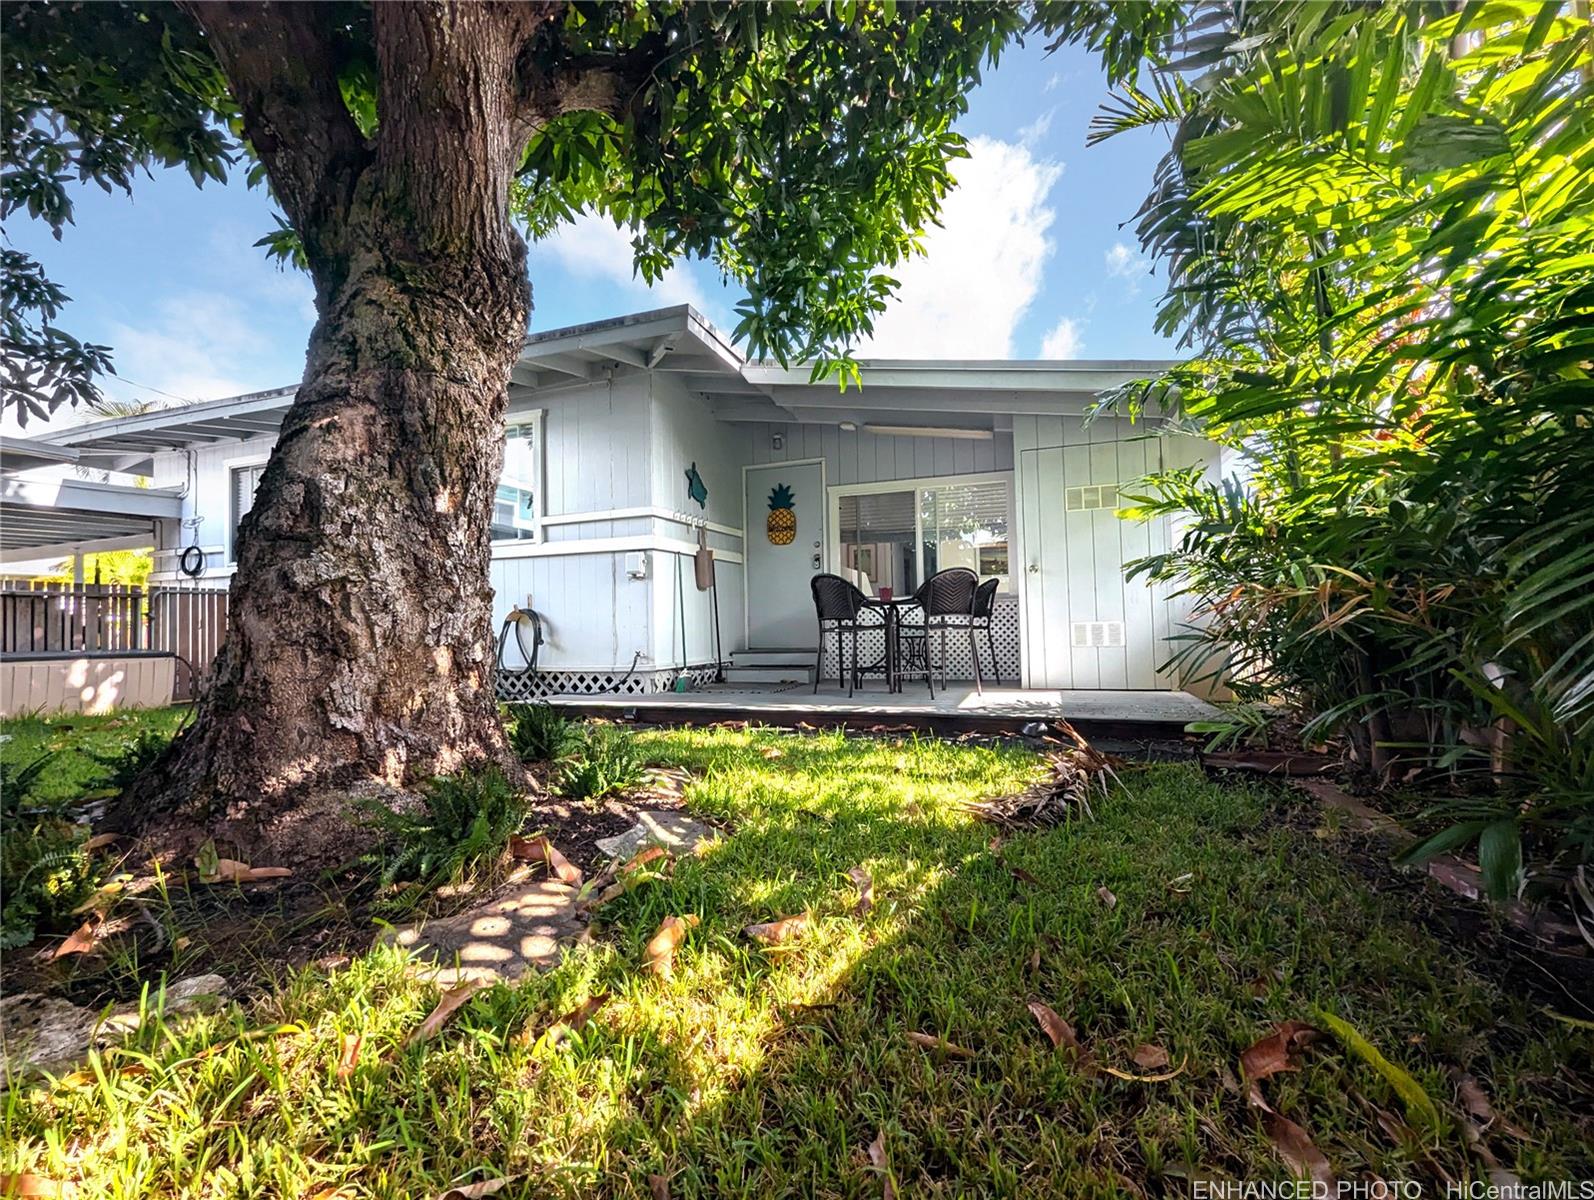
168 920
1557 977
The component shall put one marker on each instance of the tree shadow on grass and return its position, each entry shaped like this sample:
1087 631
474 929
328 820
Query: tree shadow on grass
763 1072
768 1072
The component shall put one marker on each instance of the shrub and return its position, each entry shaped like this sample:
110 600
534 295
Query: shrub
44 870
605 759
539 732
463 828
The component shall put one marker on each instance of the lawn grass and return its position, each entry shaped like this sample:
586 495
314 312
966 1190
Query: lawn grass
77 745
757 1073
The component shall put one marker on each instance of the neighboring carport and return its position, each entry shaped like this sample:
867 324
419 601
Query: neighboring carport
44 518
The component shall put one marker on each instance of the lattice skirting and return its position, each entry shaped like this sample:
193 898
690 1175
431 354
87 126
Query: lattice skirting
515 688
1004 631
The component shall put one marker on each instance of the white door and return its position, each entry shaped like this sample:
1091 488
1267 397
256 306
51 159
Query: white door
780 606
1085 626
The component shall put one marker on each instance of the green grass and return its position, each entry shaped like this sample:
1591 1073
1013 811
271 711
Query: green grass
76 743
755 1073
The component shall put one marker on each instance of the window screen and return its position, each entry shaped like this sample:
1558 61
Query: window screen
245 481
516 511
877 535
965 525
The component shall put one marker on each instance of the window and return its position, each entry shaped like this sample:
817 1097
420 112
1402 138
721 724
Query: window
245 482
517 511
899 537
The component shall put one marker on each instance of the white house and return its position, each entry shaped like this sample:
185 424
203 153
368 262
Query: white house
990 465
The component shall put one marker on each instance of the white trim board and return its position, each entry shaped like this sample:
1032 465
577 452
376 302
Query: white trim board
640 510
614 545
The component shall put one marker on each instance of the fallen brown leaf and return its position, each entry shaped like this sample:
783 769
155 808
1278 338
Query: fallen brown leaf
1060 1031
940 1045
475 1191
660 954
540 849
571 1022
99 841
35 1185
659 1187
1148 1057
865 885
878 1160
1276 1052
773 752
1107 898
1023 876
447 1005
349 1053
1296 1148
81 940
642 858
772 933
1035 959
230 870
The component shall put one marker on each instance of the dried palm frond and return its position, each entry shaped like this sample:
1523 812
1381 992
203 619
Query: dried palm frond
1075 771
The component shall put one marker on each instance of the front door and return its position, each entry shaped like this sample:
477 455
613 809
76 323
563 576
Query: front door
784 547
1085 625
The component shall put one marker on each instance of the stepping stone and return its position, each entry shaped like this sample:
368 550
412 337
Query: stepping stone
524 929
676 832
47 1033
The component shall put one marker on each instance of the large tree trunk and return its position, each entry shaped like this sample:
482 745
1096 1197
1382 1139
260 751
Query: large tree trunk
359 646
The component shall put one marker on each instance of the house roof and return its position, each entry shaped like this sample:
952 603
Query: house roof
680 342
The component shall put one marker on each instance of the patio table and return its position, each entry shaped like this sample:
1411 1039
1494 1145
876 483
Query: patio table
891 609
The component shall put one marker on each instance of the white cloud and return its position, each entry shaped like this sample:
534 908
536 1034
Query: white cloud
982 266
1122 261
1037 129
197 345
592 246
1064 340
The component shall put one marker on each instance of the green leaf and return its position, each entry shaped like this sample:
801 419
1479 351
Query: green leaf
1441 143
1500 858
1419 1105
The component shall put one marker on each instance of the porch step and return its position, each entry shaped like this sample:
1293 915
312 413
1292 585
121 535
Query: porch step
786 673
772 658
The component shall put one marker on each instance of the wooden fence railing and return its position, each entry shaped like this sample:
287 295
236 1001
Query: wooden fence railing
104 620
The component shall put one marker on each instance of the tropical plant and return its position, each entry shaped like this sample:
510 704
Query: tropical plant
605 759
1378 226
462 827
44 869
540 732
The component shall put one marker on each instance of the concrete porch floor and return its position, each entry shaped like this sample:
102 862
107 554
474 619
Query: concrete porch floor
957 709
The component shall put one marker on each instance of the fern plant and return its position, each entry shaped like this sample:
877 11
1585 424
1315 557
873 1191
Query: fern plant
539 732
606 759
44 870
461 830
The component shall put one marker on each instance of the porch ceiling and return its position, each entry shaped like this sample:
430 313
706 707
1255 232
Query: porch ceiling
41 517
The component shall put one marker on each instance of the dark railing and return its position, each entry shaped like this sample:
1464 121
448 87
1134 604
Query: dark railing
104 620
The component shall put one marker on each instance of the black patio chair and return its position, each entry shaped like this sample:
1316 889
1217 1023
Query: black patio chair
837 603
984 609
947 601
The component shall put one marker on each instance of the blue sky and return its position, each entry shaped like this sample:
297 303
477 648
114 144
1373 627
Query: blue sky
1031 262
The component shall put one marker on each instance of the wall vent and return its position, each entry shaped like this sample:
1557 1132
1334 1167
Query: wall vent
1093 496
1093 634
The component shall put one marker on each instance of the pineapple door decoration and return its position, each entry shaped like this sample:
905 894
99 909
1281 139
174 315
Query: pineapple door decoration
781 524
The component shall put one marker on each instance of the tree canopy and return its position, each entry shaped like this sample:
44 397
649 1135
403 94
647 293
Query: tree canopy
800 147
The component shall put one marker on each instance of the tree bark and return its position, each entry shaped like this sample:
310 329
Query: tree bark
359 646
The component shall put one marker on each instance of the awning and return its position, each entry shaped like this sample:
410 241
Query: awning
46 518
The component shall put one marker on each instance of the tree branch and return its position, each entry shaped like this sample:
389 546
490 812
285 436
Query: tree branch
282 65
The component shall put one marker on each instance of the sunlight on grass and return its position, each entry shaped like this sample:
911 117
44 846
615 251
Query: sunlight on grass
764 1071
